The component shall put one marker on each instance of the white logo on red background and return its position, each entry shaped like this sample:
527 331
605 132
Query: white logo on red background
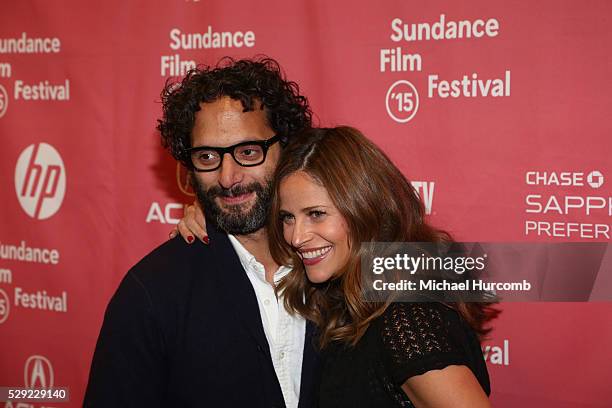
402 101
496 354
595 179
3 101
40 180
425 191
5 306
38 372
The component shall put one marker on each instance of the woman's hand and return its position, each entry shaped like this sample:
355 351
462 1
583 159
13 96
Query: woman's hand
192 225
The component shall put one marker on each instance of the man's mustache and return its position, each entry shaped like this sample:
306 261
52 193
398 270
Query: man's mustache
218 191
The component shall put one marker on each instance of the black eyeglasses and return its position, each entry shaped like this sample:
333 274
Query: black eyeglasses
246 154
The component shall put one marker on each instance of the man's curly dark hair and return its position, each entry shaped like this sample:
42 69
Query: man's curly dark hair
246 80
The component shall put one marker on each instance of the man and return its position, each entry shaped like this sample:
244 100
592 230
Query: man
200 325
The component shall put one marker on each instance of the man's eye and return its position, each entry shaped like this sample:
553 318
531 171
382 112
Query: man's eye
207 156
249 153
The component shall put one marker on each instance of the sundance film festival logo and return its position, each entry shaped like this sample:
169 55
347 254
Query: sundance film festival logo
5 306
3 101
402 101
40 180
38 372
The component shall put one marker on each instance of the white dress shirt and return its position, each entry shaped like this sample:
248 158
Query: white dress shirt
284 332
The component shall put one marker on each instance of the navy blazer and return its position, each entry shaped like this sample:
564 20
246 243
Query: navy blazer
184 329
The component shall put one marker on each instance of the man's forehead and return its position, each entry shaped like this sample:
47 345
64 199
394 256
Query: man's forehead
224 122
227 102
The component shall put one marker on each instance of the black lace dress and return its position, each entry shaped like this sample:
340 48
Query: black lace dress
407 340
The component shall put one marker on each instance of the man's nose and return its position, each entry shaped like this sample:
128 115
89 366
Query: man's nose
230 172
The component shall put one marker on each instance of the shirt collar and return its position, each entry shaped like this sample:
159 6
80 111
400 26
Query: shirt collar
252 265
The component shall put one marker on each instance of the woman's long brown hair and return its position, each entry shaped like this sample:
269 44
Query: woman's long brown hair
378 204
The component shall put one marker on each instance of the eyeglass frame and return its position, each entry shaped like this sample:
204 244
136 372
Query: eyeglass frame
222 151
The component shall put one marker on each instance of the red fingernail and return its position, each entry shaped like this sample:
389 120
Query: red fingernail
190 239
205 239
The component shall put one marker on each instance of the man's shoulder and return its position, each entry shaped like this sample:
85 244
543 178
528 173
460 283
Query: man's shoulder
176 261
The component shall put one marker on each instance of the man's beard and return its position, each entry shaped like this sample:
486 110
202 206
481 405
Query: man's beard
233 219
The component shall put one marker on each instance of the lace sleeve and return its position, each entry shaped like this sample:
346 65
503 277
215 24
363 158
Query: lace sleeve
419 337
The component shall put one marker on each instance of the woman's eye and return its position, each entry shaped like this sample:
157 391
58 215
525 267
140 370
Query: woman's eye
286 218
316 214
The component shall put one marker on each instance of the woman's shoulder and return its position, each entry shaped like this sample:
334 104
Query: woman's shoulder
418 316
419 326
416 337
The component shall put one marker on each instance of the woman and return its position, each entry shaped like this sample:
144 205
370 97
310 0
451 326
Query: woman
334 189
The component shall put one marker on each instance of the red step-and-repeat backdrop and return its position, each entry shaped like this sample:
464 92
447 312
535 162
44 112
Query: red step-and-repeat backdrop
498 111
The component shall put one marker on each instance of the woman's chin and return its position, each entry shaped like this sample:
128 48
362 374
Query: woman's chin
317 277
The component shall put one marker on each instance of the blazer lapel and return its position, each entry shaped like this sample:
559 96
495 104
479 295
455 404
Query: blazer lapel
234 281
310 368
